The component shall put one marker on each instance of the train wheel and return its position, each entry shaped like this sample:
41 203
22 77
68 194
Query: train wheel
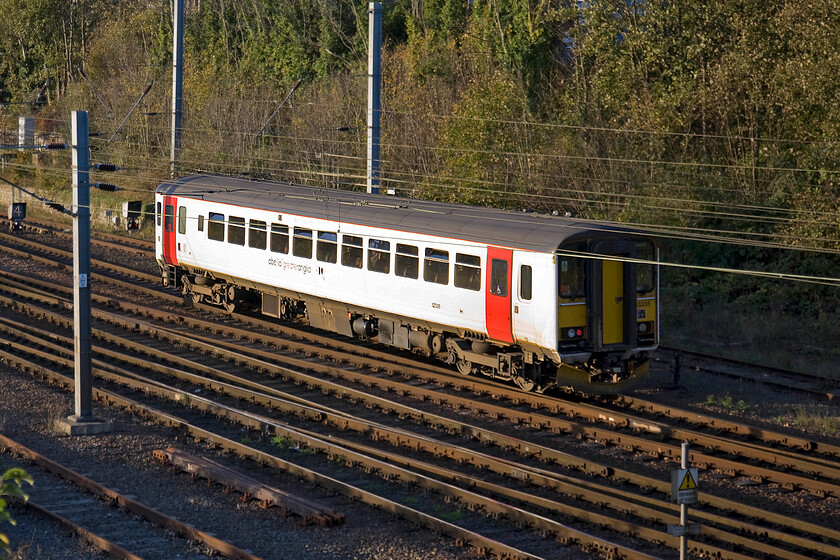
465 367
230 306
524 383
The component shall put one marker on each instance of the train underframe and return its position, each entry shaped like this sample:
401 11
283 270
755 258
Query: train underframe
470 353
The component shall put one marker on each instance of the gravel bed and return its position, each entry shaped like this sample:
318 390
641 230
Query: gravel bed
391 537
123 460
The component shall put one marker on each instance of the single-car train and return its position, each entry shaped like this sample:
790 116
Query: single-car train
534 299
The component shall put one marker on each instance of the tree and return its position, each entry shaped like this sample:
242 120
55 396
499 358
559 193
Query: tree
11 484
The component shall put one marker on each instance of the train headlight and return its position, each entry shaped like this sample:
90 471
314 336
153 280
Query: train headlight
571 333
645 327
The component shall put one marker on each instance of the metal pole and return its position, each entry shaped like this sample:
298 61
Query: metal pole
26 138
177 80
374 94
81 266
684 507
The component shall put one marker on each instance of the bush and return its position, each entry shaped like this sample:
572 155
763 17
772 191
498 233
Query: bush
11 484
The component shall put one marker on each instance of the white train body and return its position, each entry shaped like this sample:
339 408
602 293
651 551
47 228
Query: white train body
477 286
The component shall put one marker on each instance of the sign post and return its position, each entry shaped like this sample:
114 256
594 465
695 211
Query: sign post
684 492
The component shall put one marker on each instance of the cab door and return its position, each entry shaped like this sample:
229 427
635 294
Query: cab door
168 242
498 298
612 304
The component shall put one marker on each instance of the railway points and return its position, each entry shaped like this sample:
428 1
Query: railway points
510 395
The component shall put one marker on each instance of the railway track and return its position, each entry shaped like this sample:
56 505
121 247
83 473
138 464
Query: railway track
413 389
780 379
110 521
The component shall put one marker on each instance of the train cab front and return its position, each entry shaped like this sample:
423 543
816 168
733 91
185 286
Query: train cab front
607 315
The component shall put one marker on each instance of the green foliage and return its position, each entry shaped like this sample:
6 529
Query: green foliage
641 112
284 442
11 485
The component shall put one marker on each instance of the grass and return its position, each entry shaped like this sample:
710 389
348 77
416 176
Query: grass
727 402
816 420
284 442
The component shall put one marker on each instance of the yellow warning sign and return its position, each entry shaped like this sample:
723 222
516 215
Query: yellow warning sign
684 486
688 482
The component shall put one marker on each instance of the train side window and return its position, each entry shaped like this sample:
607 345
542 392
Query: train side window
279 238
201 222
158 212
256 234
407 261
499 277
467 272
379 256
182 219
645 273
236 230
436 266
216 227
352 251
572 270
302 244
327 247
169 218
525 282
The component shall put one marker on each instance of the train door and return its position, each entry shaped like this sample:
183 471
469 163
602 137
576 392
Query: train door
524 286
498 299
612 305
168 241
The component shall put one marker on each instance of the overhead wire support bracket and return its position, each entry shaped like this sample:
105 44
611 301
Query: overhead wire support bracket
285 99
148 87
95 91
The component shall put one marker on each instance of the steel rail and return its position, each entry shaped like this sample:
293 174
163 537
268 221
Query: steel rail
822 387
150 514
504 469
568 486
265 425
773 457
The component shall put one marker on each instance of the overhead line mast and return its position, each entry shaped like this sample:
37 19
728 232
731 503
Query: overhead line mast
177 81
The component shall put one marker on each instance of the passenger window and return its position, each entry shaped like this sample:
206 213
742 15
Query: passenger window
279 238
236 230
645 273
327 248
169 218
352 251
499 277
216 227
436 266
201 222
525 280
379 256
182 219
467 272
407 261
158 213
256 234
302 244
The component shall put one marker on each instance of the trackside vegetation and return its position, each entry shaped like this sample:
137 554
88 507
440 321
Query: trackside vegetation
717 124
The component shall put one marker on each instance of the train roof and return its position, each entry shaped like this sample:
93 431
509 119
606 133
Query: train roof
521 230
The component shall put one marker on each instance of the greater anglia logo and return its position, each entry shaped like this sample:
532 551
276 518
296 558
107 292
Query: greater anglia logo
286 265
